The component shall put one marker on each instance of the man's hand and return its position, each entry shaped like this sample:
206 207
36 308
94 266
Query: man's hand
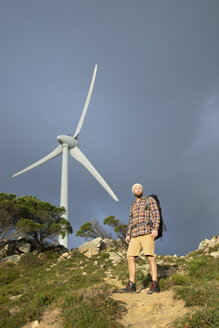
127 239
154 233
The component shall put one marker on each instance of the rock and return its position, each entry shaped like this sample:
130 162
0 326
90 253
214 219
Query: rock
96 263
114 257
23 246
121 244
92 247
64 256
35 324
215 254
15 297
2 253
12 247
122 255
175 256
159 261
110 243
13 258
84 273
209 243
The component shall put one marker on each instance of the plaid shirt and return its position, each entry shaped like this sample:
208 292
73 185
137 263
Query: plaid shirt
139 216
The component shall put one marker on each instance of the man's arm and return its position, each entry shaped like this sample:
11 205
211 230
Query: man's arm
128 234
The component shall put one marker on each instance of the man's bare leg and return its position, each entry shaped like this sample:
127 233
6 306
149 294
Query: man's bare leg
132 268
153 267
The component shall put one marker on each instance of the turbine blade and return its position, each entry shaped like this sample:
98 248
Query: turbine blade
80 123
56 152
79 156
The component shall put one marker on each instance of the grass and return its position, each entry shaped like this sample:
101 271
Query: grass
41 282
199 288
76 287
84 310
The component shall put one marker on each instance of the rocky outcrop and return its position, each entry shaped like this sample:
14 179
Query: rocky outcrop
13 250
115 257
97 245
206 244
121 244
15 247
12 258
64 256
210 247
92 247
109 243
215 254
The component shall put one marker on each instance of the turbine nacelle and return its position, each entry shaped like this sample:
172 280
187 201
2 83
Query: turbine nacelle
67 140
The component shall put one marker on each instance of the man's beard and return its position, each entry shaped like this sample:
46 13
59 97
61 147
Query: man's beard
139 196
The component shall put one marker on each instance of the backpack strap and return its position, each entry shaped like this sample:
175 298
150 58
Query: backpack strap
150 221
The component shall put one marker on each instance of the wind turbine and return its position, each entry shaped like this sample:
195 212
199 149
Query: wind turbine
70 144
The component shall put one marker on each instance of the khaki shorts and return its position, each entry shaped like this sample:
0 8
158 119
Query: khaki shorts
145 243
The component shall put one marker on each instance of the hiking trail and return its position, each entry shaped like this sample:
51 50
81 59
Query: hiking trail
151 311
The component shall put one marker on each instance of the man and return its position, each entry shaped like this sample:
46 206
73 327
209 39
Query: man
141 236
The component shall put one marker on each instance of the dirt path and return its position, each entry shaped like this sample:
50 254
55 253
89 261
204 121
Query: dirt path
151 311
148 311
143 310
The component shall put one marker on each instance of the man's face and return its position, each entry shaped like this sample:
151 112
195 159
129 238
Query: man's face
138 191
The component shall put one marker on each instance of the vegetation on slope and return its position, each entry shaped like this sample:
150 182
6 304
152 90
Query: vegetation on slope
74 285
197 283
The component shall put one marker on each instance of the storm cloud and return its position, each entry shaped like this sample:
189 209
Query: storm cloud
153 116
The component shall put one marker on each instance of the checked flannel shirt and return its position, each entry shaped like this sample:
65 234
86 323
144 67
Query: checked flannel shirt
139 216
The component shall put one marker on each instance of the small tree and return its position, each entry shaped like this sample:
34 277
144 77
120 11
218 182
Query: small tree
119 227
91 230
9 215
40 220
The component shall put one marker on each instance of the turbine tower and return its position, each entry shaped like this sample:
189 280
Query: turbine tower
70 144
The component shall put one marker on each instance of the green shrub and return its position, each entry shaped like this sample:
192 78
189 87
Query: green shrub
179 279
164 284
30 259
207 317
4 300
196 267
8 275
4 314
140 276
84 310
39 300
104 255
198 296
48 255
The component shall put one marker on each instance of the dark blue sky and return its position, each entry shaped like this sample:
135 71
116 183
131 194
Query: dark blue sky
153 116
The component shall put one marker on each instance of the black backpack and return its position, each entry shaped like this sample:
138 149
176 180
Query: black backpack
162 225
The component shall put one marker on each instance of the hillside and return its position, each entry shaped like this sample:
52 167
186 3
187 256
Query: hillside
80 288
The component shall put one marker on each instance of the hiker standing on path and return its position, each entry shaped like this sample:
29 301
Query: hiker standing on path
141 236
